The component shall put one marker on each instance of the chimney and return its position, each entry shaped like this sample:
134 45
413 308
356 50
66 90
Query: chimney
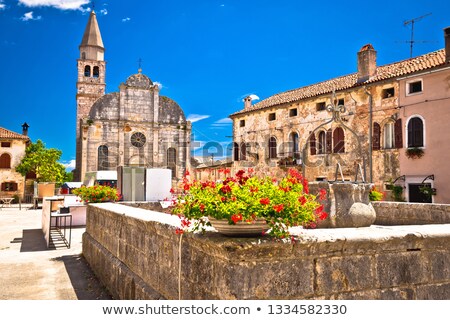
367 63
25 127
447 44
247 102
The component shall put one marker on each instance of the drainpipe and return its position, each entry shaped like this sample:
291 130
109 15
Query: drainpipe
370 134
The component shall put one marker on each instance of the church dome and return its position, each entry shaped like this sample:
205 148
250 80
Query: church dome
106 107
139 80
170 111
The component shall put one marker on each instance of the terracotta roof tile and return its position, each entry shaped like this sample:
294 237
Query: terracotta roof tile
4 133
397 69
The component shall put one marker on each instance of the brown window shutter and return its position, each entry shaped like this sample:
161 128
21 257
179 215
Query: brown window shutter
376 136
236 152
329 139
3 186
398 133
243 151
338 140
312 144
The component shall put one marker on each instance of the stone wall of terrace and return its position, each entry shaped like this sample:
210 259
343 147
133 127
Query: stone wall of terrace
405 213
136 254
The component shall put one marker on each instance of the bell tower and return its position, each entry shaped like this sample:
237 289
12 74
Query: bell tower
90 84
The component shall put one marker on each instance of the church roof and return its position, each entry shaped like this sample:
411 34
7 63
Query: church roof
170 111
139 80
106 107
92 36
8 134
385 72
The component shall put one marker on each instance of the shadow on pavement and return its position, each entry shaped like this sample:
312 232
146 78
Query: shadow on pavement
32 240
84 281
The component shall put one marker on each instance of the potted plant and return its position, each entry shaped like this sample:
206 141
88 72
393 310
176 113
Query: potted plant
96 194
375 195
428 191
246 199
414 153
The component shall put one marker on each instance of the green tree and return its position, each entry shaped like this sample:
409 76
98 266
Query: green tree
43 162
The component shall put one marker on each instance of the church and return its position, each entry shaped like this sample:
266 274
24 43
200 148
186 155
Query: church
135 126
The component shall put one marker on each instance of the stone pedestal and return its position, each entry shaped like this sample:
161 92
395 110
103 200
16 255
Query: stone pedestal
347 204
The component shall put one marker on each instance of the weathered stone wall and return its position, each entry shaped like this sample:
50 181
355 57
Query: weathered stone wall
405 213
135 253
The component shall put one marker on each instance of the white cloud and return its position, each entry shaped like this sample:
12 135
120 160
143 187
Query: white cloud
196 117
251 95
126 19
159 84
104 12
224 122
29 16
69 165
2 5
59 4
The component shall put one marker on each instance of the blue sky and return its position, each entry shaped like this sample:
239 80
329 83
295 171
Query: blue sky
206 54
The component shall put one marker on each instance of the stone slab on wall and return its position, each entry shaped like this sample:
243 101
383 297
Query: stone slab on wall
135 253
406 213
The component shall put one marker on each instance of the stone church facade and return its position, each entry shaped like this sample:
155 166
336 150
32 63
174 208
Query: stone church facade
132 127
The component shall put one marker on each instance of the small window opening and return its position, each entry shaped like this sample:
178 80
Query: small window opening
6 144
272 116
96 72
415 87
87 71
320 106
293 112
387 93
242 123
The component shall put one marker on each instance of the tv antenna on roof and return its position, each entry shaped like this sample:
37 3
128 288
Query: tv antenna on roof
412 41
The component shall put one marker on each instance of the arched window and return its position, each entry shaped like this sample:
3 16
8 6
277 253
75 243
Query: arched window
376 136
321 148
5 161
272 148
172 161
236 151
87 71
102 158
312 144
243 155
96 72
338 140
415 132
388 135
294 145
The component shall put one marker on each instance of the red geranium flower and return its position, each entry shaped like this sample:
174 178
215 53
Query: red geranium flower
278 207
264 201
236 218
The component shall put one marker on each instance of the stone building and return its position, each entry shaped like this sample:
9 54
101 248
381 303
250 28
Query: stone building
12 150
132 127
377 103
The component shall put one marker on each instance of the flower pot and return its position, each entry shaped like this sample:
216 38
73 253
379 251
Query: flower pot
240 229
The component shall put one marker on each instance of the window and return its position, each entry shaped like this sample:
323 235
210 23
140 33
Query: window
312 144
387 93
243 151
6 144
272 148
320 106
87 71
376 136
339 102
293 112
102 159
272 116
293 145
172 161
138 139
415 132
9 186
414 87
322 143
83 55
96 72
5 161
242 123
236 151
338 140
388 133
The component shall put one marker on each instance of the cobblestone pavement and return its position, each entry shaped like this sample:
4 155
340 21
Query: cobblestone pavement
31 271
